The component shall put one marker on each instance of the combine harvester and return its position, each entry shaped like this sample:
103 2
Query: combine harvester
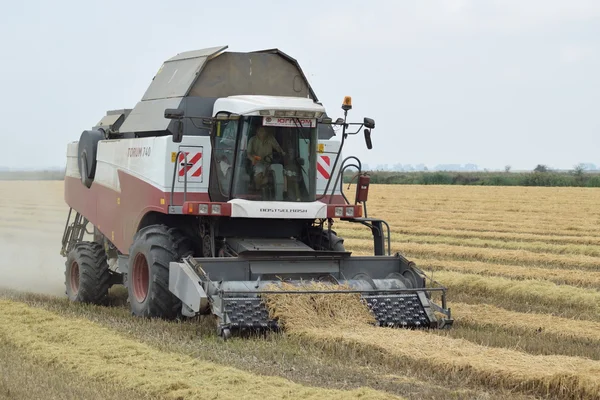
226 178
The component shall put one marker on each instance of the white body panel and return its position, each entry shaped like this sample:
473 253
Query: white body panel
148 159
325 161
72 169
277 209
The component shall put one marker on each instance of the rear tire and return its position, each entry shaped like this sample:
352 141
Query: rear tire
153 248
87 276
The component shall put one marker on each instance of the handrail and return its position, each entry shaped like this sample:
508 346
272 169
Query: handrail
185 159
342 169
370 226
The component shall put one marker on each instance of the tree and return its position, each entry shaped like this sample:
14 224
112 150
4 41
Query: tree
541 168
579 169
579 172
507 168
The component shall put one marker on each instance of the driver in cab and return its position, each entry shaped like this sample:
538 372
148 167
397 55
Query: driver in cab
260 153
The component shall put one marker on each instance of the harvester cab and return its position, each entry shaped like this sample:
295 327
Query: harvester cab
266 148
224 180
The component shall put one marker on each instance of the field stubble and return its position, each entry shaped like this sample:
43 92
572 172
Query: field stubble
346 321
529 255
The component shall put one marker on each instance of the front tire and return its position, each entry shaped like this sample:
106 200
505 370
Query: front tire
320 241
153 248
87 276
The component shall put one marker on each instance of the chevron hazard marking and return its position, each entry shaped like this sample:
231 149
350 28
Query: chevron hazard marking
194 164
324 166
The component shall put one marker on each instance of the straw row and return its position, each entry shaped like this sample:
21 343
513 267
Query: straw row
573 277
347 324
103 355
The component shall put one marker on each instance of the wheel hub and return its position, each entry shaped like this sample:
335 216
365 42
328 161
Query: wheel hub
140 278
74 278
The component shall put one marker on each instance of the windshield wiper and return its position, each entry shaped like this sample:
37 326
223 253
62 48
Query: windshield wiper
297 121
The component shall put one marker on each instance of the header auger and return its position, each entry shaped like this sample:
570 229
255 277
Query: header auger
224 179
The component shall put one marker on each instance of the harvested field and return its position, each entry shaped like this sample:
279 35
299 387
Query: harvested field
522 266
106 356
344 319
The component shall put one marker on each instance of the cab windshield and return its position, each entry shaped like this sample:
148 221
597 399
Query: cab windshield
261 159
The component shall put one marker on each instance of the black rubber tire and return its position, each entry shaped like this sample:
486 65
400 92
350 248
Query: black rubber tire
337 243
158 245
86 157
87 261
83 166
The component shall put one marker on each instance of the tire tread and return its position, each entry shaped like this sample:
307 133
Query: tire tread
94 273
164 244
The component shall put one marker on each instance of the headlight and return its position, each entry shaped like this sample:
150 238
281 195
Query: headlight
349 211
339 211
216 209
203 209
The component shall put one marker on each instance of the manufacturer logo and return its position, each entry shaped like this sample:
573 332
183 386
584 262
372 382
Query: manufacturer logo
135 152
290 122
283 210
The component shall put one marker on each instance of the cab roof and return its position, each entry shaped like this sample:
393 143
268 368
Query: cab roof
250 105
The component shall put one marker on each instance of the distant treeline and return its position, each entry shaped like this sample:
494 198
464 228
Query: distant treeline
577 178
534 178
42 175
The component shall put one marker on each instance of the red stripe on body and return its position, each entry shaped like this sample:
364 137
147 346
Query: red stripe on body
335 199
322 171
99 205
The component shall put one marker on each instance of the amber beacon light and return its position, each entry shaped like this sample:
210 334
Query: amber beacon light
347 104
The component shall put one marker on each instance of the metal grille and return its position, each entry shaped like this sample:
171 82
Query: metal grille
400 310
397 311
245 312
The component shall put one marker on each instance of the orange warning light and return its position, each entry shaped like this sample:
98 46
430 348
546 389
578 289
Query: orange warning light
347 104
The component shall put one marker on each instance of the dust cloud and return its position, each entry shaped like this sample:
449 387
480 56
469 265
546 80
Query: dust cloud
32 267
32 218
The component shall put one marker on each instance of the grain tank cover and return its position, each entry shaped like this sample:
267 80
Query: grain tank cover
263 73
194 80
170 84
177 75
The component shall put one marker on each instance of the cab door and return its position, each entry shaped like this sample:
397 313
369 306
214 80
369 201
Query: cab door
223 139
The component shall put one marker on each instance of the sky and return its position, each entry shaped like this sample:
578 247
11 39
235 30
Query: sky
488 82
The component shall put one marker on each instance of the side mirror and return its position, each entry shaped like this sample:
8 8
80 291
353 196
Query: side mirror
369 123
173 113
368 139
177 131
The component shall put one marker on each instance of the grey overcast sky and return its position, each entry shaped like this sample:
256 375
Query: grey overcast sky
488 82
